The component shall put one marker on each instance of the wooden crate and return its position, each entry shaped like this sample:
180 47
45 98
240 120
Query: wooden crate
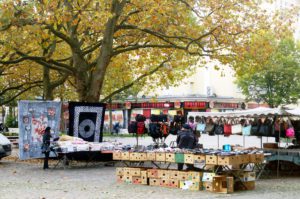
117 155
256 158
170 157
241 186
144 177
151 156
120 179
127 179
208 177
247 176
160 157
188 158
211 159
164 183
245 159
199 159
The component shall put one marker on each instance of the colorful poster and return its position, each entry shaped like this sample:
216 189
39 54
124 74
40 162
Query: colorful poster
34 117
86 120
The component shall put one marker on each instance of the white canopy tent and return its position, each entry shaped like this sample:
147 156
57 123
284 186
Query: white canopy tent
261 111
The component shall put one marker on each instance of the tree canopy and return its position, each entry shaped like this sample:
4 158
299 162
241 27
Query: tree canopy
277 81
102 48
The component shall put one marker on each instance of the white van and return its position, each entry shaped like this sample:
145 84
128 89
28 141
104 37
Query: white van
5 146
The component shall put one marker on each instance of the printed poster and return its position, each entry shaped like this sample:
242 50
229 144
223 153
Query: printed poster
34 117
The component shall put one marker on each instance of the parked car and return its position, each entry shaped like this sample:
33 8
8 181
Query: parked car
5 146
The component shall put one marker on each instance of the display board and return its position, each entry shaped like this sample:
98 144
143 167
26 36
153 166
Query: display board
34 117
86 120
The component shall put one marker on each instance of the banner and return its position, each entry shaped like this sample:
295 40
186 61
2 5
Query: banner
34 117
86 120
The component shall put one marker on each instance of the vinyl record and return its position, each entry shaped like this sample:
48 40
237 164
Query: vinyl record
86 128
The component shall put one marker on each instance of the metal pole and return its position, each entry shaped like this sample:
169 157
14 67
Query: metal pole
244 141
218 142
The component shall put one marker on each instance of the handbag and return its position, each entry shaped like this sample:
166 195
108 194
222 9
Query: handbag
290 132
209 128
246 130
236 129
200 127
227 129
219 129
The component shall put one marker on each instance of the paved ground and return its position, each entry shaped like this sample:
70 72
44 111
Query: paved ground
27 180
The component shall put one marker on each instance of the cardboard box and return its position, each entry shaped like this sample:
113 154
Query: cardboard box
117 155
136 180
226 160
138 156
222 184
199 159
160 157
164 183
211 159
152 173
207 186
120 179
127 179
120 171
190 185
247 176
170 157
179 157
154 182
188 158
125 155
242 186
174 183
256 158
163 174
144 177
174 174
195 176
151 156
208 177
182 175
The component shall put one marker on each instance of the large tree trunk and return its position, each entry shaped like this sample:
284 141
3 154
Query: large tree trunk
97 77
47 89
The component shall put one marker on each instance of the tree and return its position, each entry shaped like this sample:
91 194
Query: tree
277 81
108 46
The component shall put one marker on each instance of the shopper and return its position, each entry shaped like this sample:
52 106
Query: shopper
46 146
186 140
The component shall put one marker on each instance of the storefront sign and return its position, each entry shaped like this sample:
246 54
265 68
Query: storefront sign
195 105
114 106
153 105
218 105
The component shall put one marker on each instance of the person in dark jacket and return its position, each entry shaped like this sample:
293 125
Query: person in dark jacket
46 146
186 140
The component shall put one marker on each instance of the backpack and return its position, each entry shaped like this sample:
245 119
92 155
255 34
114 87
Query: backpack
132 127
141 128
154 130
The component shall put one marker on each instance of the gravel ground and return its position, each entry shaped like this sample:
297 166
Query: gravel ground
27 180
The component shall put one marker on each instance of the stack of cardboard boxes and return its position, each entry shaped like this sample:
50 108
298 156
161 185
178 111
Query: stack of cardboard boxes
187 180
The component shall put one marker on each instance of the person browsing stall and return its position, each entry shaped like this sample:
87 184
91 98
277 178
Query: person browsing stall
46 146
186 140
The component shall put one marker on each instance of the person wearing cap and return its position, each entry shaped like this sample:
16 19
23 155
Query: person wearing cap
186 140
46 146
